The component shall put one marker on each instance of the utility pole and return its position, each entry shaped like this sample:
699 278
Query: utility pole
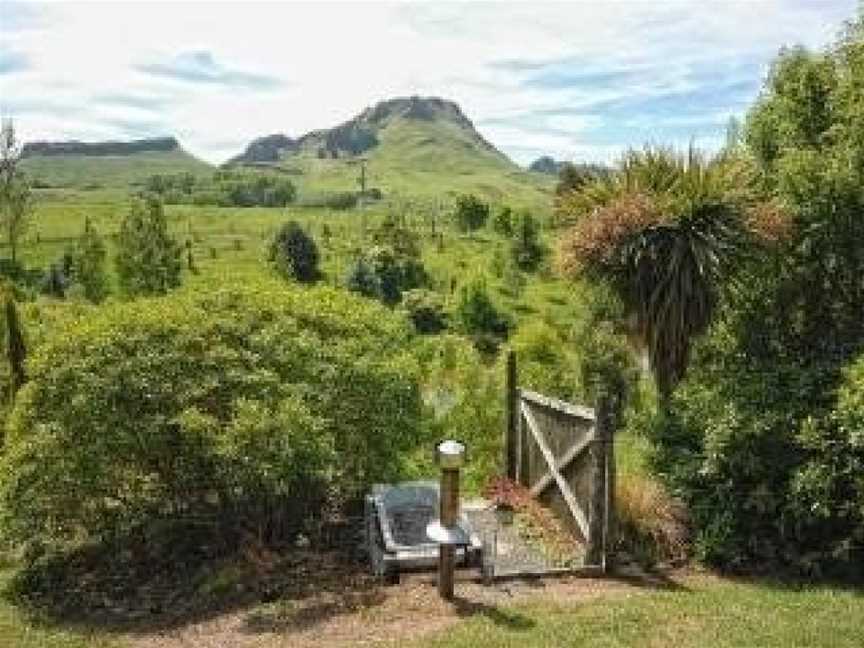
362 180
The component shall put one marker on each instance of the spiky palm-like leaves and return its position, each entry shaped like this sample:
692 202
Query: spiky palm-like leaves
664 231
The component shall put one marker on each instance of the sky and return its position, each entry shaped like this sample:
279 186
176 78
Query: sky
575 80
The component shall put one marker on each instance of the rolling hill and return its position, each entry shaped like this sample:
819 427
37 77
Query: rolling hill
412 145
106 164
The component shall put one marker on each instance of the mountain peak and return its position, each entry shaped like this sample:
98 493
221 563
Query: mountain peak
415 107
546 164
361 133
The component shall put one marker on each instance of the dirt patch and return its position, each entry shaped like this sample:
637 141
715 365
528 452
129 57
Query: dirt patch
360 612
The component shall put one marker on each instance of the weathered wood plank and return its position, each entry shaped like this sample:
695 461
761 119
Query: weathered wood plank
553 403
574 451
563 486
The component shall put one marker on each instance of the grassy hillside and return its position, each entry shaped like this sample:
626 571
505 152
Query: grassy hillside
428 158
416 146
108 171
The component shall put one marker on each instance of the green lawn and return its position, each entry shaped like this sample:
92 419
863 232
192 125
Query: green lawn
707 614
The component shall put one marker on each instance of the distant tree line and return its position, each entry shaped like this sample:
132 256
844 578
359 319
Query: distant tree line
227 188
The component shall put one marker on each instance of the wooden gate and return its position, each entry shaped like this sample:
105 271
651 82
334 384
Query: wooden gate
564 454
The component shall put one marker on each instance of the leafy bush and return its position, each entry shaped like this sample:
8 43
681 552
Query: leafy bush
294 253
828 488
544 361
470 213
361 278
502 222
464 396
476 314
526 248
425 309
241 408
762 442
390 267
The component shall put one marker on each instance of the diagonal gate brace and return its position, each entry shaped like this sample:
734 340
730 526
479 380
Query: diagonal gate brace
554 473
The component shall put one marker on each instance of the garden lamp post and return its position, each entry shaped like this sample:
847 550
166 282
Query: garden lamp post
450 457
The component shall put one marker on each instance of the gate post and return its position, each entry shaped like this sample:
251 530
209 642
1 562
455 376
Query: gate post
601 512
610 522
511 412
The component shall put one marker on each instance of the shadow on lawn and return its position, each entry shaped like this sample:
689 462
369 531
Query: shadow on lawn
166 586
648 579
504 618
796 583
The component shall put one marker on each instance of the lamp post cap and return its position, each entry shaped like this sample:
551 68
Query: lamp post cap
451 447
450 455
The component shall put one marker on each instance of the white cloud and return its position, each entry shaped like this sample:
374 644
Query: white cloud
87 74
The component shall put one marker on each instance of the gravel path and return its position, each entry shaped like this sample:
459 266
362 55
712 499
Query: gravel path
510 549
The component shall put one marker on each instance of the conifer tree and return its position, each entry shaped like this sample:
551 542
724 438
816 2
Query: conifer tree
89 264
148 259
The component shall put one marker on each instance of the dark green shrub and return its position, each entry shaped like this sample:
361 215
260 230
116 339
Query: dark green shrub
526 248
425 310
361 278
502 222
373 193
477 316
15 348
388 268
389 271
294 253
828 488
241 408
55 282
470 213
